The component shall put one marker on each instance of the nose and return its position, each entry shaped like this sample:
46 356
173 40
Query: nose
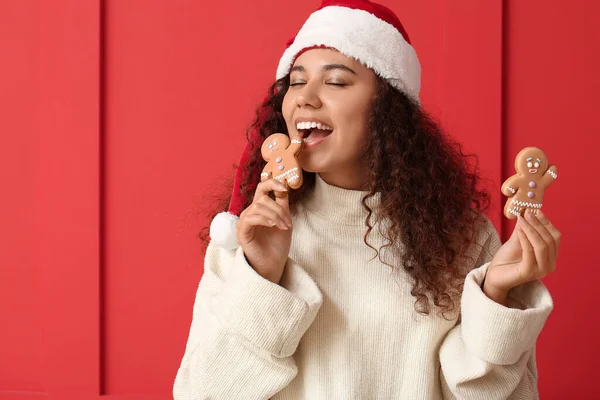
309 96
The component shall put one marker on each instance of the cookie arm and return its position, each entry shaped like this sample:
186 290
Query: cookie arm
295 145
509 187
549 176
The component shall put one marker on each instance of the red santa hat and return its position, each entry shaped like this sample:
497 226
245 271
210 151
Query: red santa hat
360 29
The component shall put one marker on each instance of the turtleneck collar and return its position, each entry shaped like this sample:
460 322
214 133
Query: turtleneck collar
340 206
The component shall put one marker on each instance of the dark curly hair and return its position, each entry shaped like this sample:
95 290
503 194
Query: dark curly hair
430 192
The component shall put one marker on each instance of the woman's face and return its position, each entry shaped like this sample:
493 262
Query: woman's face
329 88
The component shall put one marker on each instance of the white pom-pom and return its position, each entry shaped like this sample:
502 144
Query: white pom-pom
223 230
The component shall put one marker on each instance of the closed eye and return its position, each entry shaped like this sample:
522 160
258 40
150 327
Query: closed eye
303 83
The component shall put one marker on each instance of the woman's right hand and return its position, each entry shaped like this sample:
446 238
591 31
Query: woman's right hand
265 230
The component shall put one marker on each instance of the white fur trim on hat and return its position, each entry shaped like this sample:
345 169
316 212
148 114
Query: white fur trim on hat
223 230
360 35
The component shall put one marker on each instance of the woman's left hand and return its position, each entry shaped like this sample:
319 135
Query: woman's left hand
529 254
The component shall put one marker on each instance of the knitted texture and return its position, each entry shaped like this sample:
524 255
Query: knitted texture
342 325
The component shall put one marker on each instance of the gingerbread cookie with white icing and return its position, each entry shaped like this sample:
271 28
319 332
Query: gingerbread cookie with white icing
280 152
525 190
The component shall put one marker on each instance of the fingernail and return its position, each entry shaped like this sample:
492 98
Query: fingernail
540 214
283 225
528 215
282 188
272 223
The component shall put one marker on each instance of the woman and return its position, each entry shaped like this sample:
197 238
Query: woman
381 278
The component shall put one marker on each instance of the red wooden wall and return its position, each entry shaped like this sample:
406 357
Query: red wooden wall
112 119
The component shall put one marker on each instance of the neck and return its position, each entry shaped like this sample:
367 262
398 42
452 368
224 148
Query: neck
353 179
339 205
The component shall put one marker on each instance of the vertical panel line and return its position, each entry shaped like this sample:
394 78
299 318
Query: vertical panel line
102 194
504 167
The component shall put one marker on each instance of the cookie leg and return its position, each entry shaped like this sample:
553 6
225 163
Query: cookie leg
516 211
510 210
294 181
294 178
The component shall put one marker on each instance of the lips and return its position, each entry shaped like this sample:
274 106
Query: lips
533 170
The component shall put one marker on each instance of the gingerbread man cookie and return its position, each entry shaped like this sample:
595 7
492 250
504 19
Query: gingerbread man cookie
526 188
281 154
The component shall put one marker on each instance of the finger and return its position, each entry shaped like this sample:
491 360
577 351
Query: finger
272 215
270 185
250 222
283 200
272 205
543 232
556 235
514 236
528 253
539 246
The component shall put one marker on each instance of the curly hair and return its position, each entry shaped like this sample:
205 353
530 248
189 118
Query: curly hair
430 192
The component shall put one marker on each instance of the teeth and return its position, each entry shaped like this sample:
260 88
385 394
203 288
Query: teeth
312 125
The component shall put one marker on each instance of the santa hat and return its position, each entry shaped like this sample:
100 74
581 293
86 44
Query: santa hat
360 29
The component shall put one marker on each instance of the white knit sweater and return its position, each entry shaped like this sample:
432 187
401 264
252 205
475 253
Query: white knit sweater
341 326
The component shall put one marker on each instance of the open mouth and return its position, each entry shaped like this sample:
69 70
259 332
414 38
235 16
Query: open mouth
314 136
533 170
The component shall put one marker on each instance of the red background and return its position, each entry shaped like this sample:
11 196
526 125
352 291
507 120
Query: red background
113 119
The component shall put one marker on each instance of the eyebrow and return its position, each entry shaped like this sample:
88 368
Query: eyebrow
328 67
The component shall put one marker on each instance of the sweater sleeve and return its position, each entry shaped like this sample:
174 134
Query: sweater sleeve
490 354
244 329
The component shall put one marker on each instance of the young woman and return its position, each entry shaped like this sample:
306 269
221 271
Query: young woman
381 277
